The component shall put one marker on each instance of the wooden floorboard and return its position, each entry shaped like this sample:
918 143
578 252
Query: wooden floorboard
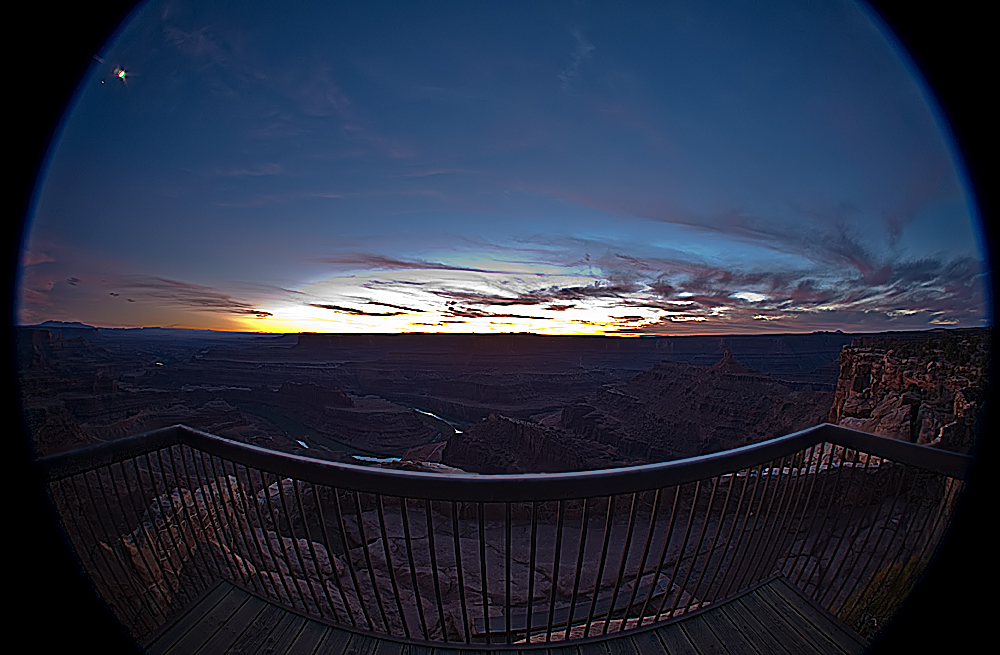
773 618
764 641
257 632
821 643
188 619
728 633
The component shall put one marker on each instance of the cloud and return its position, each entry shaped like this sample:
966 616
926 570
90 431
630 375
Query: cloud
31 258
582 51
353 312
370 261
185 295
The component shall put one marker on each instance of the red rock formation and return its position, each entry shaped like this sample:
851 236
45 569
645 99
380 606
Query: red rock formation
923 387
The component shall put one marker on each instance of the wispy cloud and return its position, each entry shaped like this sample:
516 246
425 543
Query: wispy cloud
375 262
353 312
582 51
185 295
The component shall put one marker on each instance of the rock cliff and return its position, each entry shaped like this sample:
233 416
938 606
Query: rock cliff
926 387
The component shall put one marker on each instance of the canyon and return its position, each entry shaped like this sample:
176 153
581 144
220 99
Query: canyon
497 403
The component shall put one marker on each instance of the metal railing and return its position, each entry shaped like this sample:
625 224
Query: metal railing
158 518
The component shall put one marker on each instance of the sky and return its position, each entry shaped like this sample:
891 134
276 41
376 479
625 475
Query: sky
660 168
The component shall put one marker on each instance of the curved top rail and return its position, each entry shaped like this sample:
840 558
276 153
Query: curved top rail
504 488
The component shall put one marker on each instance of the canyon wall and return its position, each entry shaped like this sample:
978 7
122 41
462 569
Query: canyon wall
927 388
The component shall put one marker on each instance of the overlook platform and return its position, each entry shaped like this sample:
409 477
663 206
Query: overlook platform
802 544
773 617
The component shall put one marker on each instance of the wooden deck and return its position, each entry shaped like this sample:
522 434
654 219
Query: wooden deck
773 618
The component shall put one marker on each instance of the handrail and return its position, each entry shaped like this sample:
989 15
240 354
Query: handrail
506 487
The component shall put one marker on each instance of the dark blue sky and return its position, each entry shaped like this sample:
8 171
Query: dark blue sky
667 168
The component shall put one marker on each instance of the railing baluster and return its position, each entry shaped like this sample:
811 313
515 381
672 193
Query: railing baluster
754 539
600 567
312 551
109 595
811 533
778 547
888 518
824 524
482 573
175 520
388 563
404 514
622 565
784 482
697 548
325 532
851 521
680 557
555 571
196 527
715 540
156 540
732 530
350 560
579 565
642 560
434 569
734 563
663 556
806 508
531 569
111 535
368 560
753 566
280 539
140 527
295 545
833 556
271 555
239 509
506 610
461 572
211 502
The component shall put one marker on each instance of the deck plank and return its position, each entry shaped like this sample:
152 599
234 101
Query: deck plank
309 639
825 622
773 618
257 631
728 633
230 631
283 635
570 649
675 642
648 644
165 641
388 647
821 643
702 637
781 631
622 646
334 642
763 640
210 623
591 648
361 645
